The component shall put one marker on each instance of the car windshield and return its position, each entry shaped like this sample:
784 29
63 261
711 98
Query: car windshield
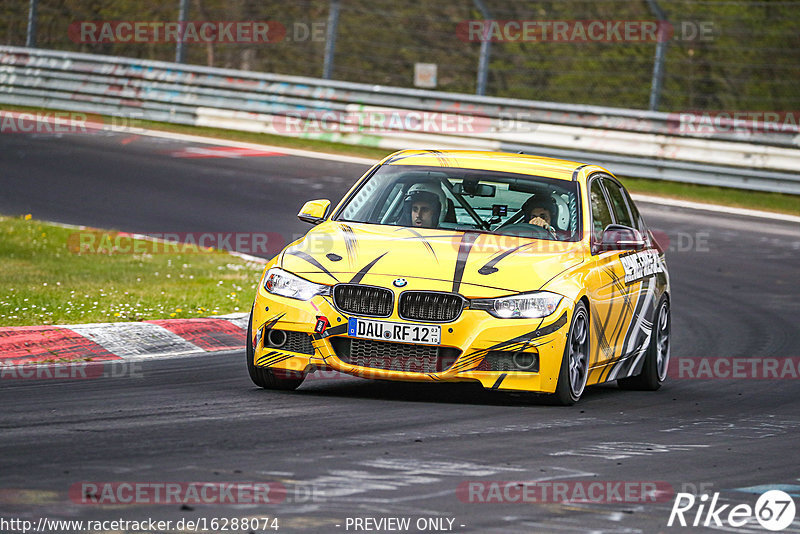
467 200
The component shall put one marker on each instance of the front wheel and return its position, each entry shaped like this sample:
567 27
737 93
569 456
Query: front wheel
265 377
575 364
656 360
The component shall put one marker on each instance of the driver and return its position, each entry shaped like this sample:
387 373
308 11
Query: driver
540 211
423 205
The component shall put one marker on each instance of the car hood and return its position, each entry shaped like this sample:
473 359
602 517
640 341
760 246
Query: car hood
473 264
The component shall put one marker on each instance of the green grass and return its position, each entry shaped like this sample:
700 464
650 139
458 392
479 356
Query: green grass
46 278
776 202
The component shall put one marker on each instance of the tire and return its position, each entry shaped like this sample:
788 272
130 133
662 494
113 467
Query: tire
574 369
265 377
656 360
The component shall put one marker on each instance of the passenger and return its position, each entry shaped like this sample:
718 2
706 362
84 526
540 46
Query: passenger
423 205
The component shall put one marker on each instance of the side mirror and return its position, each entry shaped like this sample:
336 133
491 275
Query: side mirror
619 237
314 211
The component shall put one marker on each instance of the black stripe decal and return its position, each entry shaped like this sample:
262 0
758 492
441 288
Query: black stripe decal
264 357
272 322
424 241
552 327
644 290
499 380
363 272
626 305
443 161
461 262
623 366
467 364
350 243
400 155
607 340
312 261
557 275
621 286
604 327
271 359
490 268
601 336
518 343
576 171
530 336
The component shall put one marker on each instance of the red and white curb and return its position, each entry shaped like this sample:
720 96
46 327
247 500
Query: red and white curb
24 345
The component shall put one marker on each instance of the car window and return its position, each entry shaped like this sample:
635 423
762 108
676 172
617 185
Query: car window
389 200
638 221
601 215
618 204
465 199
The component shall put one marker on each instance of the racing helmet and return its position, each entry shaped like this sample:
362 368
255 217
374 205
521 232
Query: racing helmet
430 193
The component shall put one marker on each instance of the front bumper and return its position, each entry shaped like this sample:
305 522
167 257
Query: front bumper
475 335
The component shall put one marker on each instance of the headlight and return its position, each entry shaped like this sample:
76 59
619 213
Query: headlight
284 283
524 306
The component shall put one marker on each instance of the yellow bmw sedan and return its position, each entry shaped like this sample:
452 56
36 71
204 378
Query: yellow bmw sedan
519 272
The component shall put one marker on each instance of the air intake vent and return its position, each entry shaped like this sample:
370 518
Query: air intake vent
394 356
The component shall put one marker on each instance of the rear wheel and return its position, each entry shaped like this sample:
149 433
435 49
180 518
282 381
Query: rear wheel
264 376
656 360
575 364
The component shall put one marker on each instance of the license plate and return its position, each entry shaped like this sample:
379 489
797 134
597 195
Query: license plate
422 334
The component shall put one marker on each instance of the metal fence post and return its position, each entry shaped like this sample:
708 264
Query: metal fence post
180 47
30 42
661 50
330 40
486 44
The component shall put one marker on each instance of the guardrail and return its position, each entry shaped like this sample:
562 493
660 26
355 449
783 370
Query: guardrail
628 142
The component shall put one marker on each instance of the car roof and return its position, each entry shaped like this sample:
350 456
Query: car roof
485 160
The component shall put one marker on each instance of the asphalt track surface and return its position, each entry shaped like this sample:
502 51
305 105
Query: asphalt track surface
351 448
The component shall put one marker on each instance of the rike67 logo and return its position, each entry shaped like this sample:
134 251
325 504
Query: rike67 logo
774 510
